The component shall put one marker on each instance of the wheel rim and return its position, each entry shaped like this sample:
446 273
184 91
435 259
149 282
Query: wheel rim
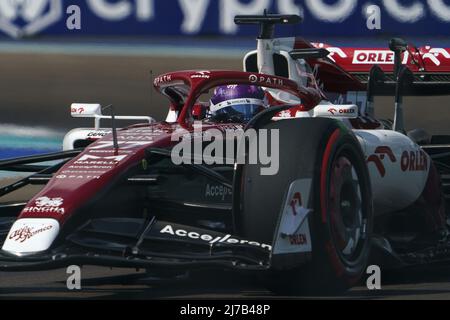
346 211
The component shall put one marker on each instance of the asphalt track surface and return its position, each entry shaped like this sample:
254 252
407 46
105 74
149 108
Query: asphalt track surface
104 283
37 90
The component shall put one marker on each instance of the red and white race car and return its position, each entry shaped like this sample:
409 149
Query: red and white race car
349 190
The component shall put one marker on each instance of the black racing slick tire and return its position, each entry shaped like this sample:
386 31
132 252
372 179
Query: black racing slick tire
328 153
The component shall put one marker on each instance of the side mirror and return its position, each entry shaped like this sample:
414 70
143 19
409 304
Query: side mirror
85 110
94 110
344 111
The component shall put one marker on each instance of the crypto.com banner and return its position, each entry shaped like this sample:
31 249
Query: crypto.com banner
215 17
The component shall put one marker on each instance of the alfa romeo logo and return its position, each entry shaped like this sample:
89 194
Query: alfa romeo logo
20 18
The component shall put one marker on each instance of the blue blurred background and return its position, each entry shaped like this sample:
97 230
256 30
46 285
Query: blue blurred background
214 18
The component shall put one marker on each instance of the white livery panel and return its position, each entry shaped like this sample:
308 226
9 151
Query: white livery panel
397 166
293 234
30 236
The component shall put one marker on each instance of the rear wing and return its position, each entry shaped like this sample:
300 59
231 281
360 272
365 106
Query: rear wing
399 70
421 84
430 68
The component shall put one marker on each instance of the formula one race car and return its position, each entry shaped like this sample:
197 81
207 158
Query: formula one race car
347 189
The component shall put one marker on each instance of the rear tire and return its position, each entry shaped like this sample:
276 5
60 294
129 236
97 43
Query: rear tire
341 222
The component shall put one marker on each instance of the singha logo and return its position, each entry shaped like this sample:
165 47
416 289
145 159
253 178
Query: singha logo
44 205
20 18
49 202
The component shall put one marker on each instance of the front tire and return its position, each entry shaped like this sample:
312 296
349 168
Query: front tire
341 223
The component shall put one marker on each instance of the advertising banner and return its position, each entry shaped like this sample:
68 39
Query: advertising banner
21 18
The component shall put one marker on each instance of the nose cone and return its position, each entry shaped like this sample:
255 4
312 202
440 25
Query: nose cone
31 236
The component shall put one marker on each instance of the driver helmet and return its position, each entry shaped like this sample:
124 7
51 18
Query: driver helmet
237 103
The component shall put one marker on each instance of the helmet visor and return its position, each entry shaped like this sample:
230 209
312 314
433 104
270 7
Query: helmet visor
239 113
243 111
